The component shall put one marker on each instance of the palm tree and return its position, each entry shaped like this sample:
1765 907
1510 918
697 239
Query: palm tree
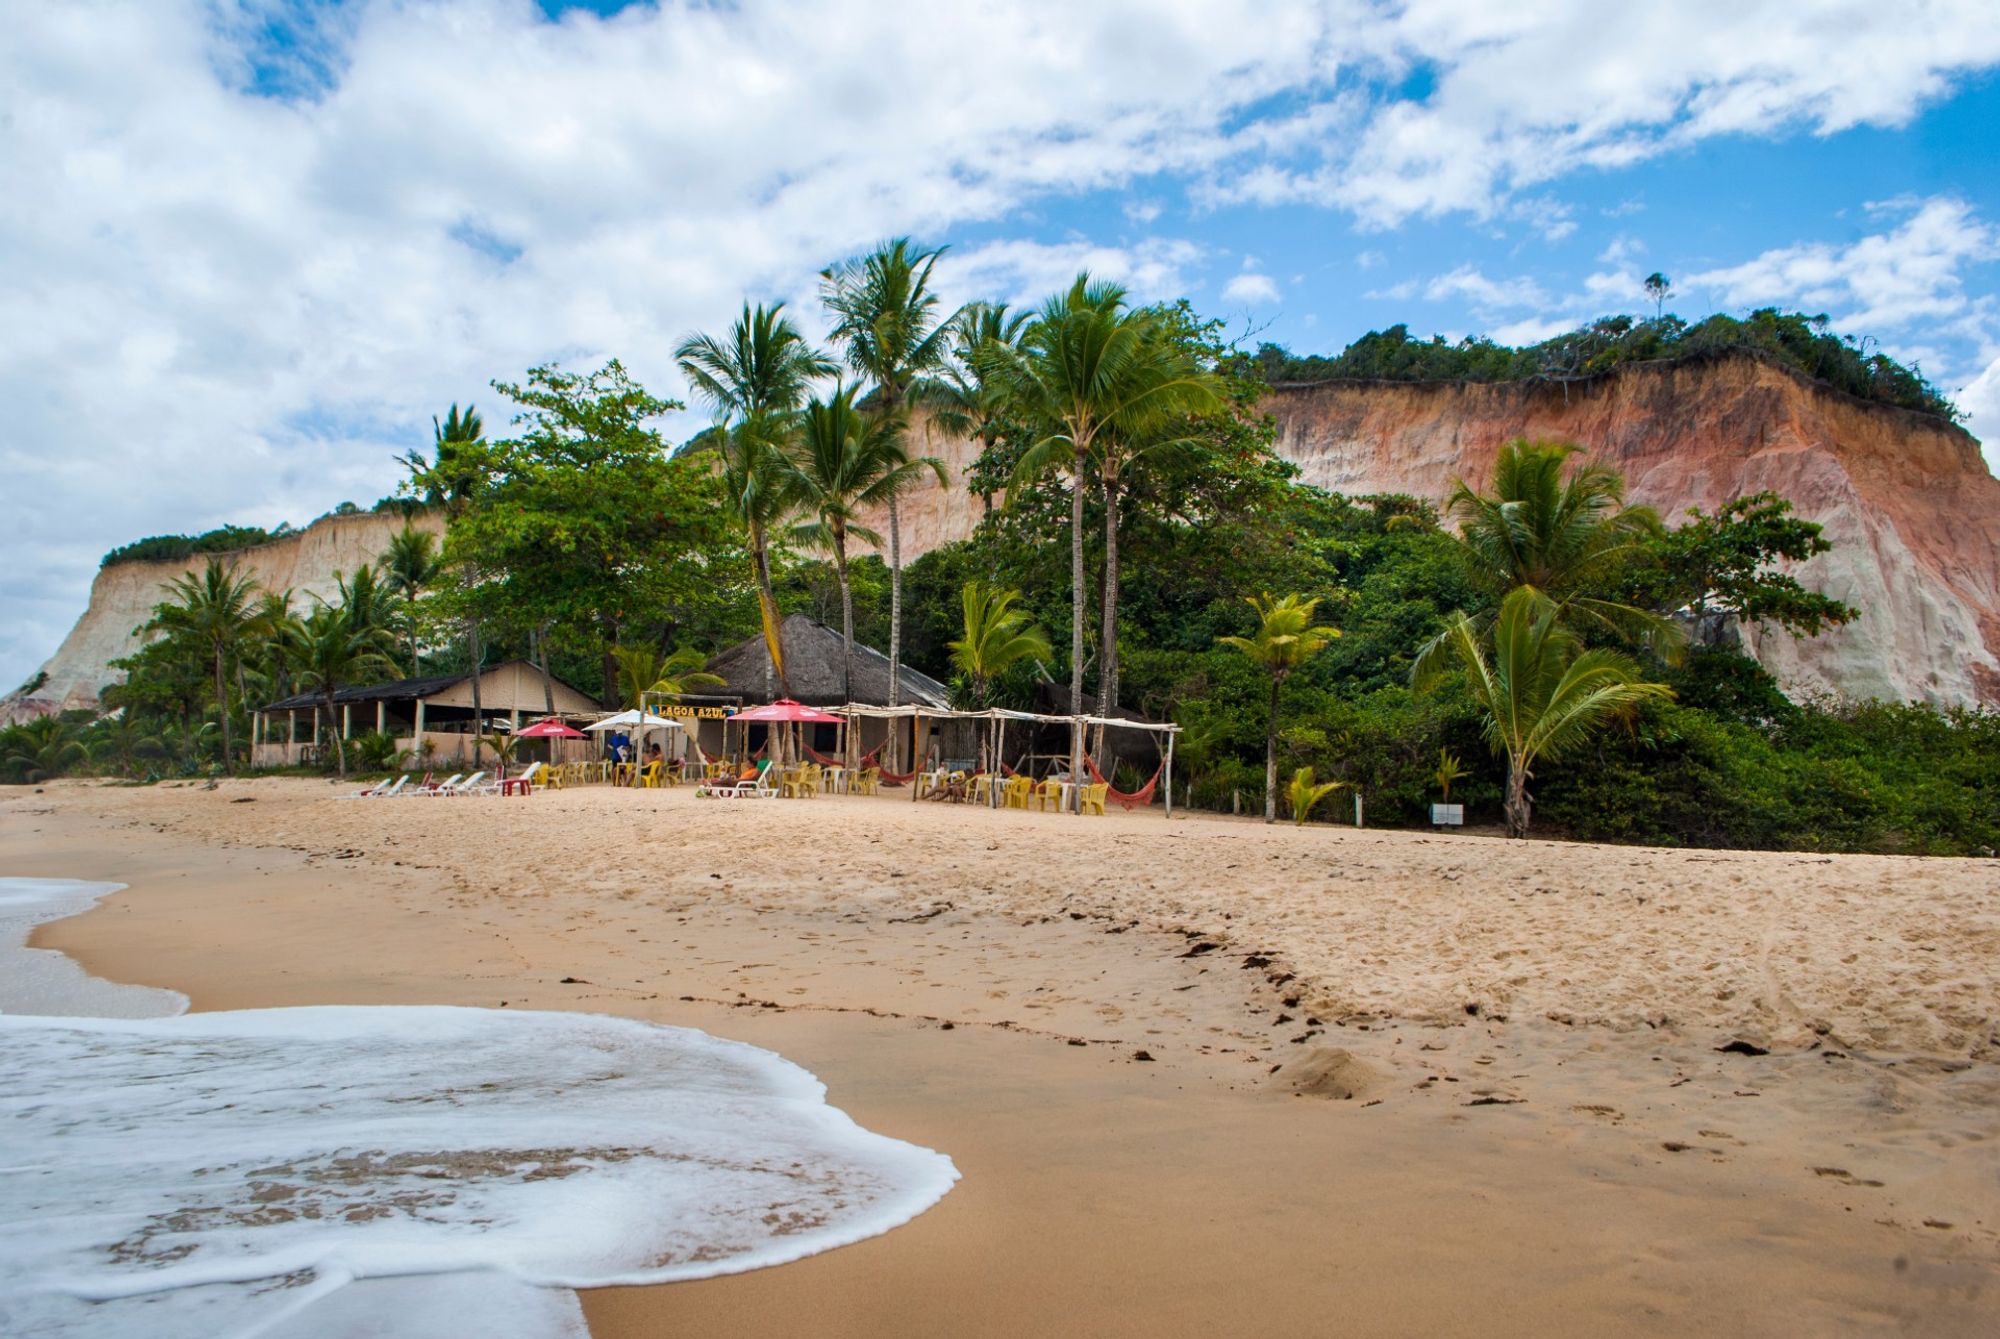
411 564
368 600
455 472
886 315
754 381
1085 368
1542 693
453 478
845 460
1286 638
643 670
965 397
1306 792
41 749
763 365
997 637
1563 537
331 651
214 611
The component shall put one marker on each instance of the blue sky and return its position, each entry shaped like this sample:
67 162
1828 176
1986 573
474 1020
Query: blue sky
253 245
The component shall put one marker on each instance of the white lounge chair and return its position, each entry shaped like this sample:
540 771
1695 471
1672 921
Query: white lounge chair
479 783
381 789
758 787
468 786
447 786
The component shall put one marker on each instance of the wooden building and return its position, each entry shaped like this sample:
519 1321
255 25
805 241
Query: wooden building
435 708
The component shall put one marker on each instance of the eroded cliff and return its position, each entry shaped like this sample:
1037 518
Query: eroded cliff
123 595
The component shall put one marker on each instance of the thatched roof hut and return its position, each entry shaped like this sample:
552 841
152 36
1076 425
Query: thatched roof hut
813 654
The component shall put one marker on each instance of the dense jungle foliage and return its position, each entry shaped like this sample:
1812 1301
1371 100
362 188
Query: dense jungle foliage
1803 343
586 542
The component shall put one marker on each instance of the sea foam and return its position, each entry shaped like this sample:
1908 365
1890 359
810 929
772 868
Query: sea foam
218 1175
43 981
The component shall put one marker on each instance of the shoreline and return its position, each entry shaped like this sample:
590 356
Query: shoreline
1103 1194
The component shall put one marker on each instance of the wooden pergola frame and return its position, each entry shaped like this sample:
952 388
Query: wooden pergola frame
999 717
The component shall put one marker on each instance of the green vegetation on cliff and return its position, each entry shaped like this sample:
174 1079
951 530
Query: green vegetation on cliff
1803 343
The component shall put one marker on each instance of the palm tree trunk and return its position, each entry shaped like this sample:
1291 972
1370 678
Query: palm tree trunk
222 708
339 745
895 608
846 616
1107 647
1518 803
478 717
1271 755
1077 602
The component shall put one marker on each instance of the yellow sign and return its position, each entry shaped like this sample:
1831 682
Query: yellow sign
693 713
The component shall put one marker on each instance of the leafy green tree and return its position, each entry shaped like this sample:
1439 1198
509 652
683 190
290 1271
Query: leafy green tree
1543 695
1658 286
332 648
886 317
1285 639
1565 533
996 637
410 565
843 461
214 611
584 521
1718 567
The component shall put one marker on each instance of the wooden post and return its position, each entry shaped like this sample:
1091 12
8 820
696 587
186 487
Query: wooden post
1169 777
1357 807
381 715
1076 764
347 720
916 755
417 741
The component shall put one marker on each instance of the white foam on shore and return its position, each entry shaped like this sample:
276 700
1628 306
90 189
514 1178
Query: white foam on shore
43 981
294 1150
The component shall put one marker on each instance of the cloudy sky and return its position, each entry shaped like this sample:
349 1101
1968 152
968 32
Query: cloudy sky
249 247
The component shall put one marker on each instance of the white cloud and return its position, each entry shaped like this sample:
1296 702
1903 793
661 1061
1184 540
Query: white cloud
1250 286
1484 294
1979 399
245 304
1526 92
1913 272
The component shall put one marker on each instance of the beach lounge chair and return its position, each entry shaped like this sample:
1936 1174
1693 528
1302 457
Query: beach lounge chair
380 790
445 787
472 785
525 782
753 785
1091 801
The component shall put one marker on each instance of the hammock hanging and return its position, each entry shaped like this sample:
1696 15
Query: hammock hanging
1141 796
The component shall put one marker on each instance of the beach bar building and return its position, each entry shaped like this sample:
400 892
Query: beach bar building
813 659
436 709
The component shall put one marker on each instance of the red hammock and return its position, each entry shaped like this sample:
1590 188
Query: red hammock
867 759
1143 795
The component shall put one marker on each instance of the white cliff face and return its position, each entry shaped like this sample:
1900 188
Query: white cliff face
122 599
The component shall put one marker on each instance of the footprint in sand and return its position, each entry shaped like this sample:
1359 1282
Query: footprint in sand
1612 1114
1842 1175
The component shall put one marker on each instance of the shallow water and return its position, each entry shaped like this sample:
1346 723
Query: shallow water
394 1171
43 981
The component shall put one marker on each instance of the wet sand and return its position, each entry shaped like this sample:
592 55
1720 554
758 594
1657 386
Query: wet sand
1532 1130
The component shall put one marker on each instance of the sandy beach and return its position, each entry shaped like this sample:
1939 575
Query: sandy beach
1200 1076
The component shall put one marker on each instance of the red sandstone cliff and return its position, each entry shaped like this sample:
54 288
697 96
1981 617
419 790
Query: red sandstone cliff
1912 511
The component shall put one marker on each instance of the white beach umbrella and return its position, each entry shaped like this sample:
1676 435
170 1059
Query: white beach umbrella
644 720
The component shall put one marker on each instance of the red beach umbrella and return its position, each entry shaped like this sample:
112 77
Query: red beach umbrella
551 728
785 709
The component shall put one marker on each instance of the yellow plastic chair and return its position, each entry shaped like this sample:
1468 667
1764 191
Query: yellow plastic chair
1092 799
1014 795
650 776
867 781
1048 795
